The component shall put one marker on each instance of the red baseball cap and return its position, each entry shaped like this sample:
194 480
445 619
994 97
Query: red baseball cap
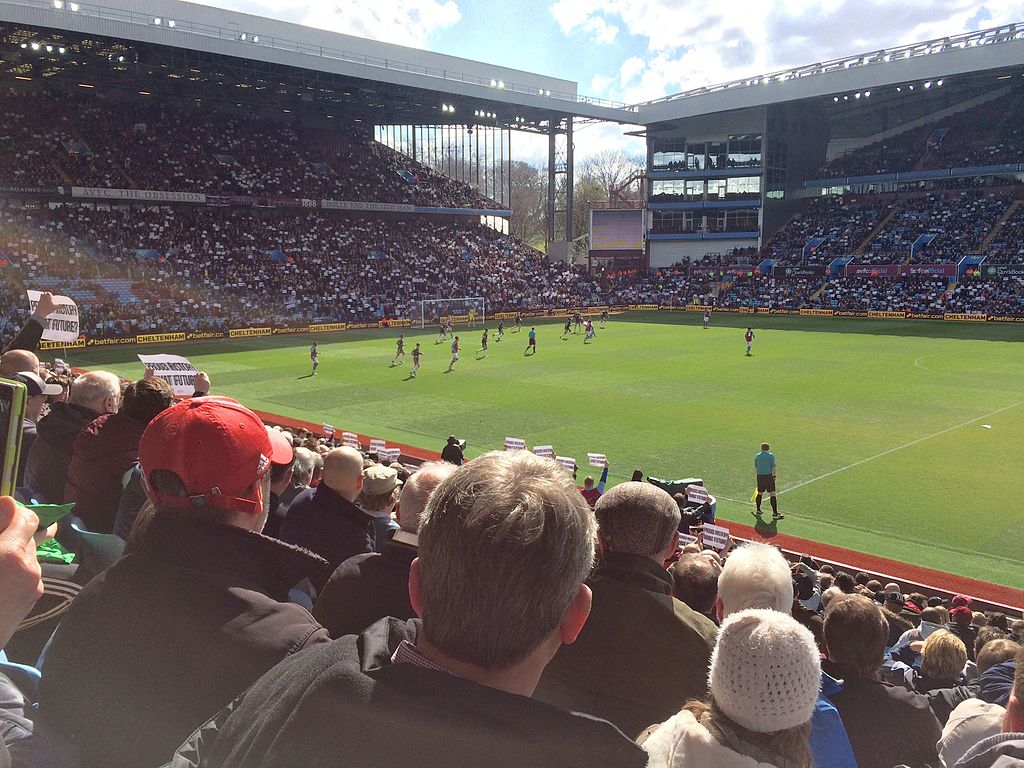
216 446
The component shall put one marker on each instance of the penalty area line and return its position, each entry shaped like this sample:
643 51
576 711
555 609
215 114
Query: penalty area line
900 447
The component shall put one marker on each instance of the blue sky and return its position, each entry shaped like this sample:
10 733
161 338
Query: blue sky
634 50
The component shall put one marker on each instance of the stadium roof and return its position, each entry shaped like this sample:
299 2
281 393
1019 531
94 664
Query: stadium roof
195 27
996 48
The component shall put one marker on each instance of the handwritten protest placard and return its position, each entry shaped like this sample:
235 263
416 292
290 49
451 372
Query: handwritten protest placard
62 323
175 370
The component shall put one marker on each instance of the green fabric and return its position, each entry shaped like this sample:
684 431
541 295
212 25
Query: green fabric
52 552
48 514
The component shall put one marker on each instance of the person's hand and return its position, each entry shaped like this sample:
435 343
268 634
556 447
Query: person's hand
20 574
202 383
149 374
45 306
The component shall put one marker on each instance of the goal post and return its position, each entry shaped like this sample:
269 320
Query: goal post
432 310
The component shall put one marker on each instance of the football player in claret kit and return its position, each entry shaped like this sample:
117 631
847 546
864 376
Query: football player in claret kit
577 321
749 336
314 355
441 330
400 353
415 359
519 321
455 354
588 327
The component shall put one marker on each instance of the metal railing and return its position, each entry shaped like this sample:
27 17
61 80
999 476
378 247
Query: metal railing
248 37
995 35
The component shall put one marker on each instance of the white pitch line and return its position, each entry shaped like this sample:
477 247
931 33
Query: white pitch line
898 448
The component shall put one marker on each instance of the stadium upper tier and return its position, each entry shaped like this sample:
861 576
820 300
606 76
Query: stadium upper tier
90 140
924 228
986 135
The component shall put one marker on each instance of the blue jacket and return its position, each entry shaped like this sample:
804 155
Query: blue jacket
830 746
997 682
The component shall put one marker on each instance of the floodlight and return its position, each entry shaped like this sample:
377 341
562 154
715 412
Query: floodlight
158 21
35 46
171 23
58 4
74 7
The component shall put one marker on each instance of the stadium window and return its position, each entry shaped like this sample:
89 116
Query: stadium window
742 220
744 151
743 188
718 155
716 189
670 156
696 157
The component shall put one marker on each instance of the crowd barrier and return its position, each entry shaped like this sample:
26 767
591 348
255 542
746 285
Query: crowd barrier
559 312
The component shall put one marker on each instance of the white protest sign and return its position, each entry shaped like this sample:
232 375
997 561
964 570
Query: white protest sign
514 444
568 462
328 430
685 538
716 537
59 366
377 445
175 370
350 439
597 459
62 323
390 454
544 450
698 494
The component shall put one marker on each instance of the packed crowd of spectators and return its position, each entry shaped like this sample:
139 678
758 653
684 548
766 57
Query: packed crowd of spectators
87 139
991 295
844 223
264 597
985 135
912 294
961 221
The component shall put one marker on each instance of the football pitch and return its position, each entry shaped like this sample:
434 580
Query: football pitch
903 439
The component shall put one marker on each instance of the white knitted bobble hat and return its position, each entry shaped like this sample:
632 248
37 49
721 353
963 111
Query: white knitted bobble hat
765 671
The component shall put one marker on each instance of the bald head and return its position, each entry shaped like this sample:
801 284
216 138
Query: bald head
343 472
417 490
637 519
18 361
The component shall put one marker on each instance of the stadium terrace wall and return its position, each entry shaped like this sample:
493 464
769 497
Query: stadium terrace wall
239 201
263 331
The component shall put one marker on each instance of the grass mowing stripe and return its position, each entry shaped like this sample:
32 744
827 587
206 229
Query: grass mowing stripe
900 447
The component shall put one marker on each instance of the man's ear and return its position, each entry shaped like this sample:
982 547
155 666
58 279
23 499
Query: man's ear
415 588
572 624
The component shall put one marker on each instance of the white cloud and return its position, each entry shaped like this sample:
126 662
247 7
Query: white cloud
600 84
602 31
690 43
403 22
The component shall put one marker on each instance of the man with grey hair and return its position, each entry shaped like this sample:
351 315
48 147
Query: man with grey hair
369 587
643 654
755 576
46 467
505 544
304 464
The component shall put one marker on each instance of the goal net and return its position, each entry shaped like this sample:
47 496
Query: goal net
432 311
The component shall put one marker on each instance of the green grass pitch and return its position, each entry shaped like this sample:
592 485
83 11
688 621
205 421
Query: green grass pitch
904 439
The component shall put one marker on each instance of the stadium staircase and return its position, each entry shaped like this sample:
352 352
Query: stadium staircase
1010 212
859 250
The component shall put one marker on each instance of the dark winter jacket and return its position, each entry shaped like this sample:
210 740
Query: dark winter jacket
368 587
46 470
170 634
103 452
347 703
325 522
641 655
